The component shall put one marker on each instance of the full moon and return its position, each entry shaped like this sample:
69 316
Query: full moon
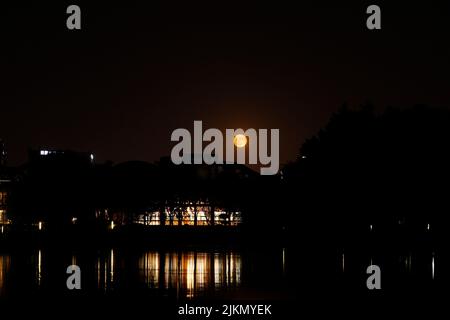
240 140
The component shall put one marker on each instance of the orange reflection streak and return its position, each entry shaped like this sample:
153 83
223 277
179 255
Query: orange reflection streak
149 269
190 273
5 263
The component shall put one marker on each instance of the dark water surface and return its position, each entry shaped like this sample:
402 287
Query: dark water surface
128 281
183 274
189 274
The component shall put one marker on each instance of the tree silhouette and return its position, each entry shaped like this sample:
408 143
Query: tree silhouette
366 169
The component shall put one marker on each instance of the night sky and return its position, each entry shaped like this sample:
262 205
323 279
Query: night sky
119 86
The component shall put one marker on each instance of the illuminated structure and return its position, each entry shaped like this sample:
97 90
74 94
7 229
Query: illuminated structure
61 157
175 195
191 213
183 213
61 188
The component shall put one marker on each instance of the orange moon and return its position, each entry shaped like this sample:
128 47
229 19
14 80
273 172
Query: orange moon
240 140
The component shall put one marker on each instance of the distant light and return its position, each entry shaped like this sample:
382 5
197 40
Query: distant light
428 226
2 229
44 152
40 225
432 266
303 157
39 275
371 227
112 265
112 225
92 157
74 220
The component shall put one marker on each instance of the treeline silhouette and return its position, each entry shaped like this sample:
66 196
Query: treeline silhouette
366 172
59 187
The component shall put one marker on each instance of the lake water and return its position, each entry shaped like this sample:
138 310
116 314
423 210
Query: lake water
183 274
271 273
118 283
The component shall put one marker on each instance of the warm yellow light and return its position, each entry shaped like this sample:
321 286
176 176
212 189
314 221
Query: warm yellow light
40 225
240 140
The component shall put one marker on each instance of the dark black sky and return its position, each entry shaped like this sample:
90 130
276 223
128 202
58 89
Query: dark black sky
135 73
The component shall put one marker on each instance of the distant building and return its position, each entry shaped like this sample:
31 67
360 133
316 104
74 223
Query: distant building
60 157
165 194
59 188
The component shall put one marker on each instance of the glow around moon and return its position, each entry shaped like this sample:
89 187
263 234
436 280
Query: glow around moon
240 140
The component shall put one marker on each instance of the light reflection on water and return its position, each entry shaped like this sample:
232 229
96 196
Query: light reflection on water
5 262
104 270
432 266
189 274
39 268
185 273
149 269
